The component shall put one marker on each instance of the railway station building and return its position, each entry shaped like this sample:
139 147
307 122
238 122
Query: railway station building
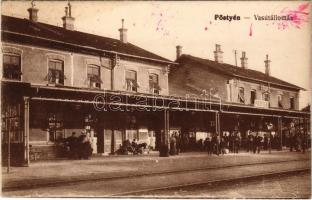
250 100
58 80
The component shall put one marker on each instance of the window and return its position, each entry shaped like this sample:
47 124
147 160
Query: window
153 84
56 72
55 127
252 96
94 76
279 101
241 95
12 66
12 123
266 96
132 134
131 81
292 102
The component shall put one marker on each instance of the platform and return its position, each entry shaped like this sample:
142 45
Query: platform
58 172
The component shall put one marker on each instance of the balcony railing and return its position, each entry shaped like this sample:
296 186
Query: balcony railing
261 103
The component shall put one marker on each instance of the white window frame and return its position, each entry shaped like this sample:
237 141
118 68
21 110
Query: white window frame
292 106
63 70
152 90
126 83
99 77
241 99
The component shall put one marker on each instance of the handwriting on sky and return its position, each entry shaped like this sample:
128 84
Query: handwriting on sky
298 16
282 19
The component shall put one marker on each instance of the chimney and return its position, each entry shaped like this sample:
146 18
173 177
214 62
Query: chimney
244 60
123 32
33 16
267 65
179 51
68 20
218 54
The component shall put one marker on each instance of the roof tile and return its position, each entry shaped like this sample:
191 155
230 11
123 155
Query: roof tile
232 70
47 31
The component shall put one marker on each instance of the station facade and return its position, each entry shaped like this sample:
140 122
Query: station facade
57 80
243 89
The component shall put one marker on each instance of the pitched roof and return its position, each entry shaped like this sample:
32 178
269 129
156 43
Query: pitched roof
25 27
235 71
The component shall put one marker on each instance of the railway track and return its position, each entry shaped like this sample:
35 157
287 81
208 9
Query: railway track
214 182
144 183
99 178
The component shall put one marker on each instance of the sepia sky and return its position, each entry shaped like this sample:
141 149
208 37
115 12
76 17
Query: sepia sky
160 26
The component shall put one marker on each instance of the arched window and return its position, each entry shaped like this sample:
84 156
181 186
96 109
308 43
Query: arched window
12 66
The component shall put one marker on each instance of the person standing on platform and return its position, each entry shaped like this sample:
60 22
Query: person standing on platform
222 146
231 142
215 144
236 142
226 141
208 145
218 141
85 150
292 133
185 141
178 143
250 142
257 143
270 142
87 146
173 145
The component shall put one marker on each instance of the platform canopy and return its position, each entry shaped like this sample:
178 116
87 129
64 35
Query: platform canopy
107 99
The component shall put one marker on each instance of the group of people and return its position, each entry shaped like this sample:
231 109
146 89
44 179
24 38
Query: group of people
175 144
215 145
222 145
134 147
297 140
253 142
78 147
